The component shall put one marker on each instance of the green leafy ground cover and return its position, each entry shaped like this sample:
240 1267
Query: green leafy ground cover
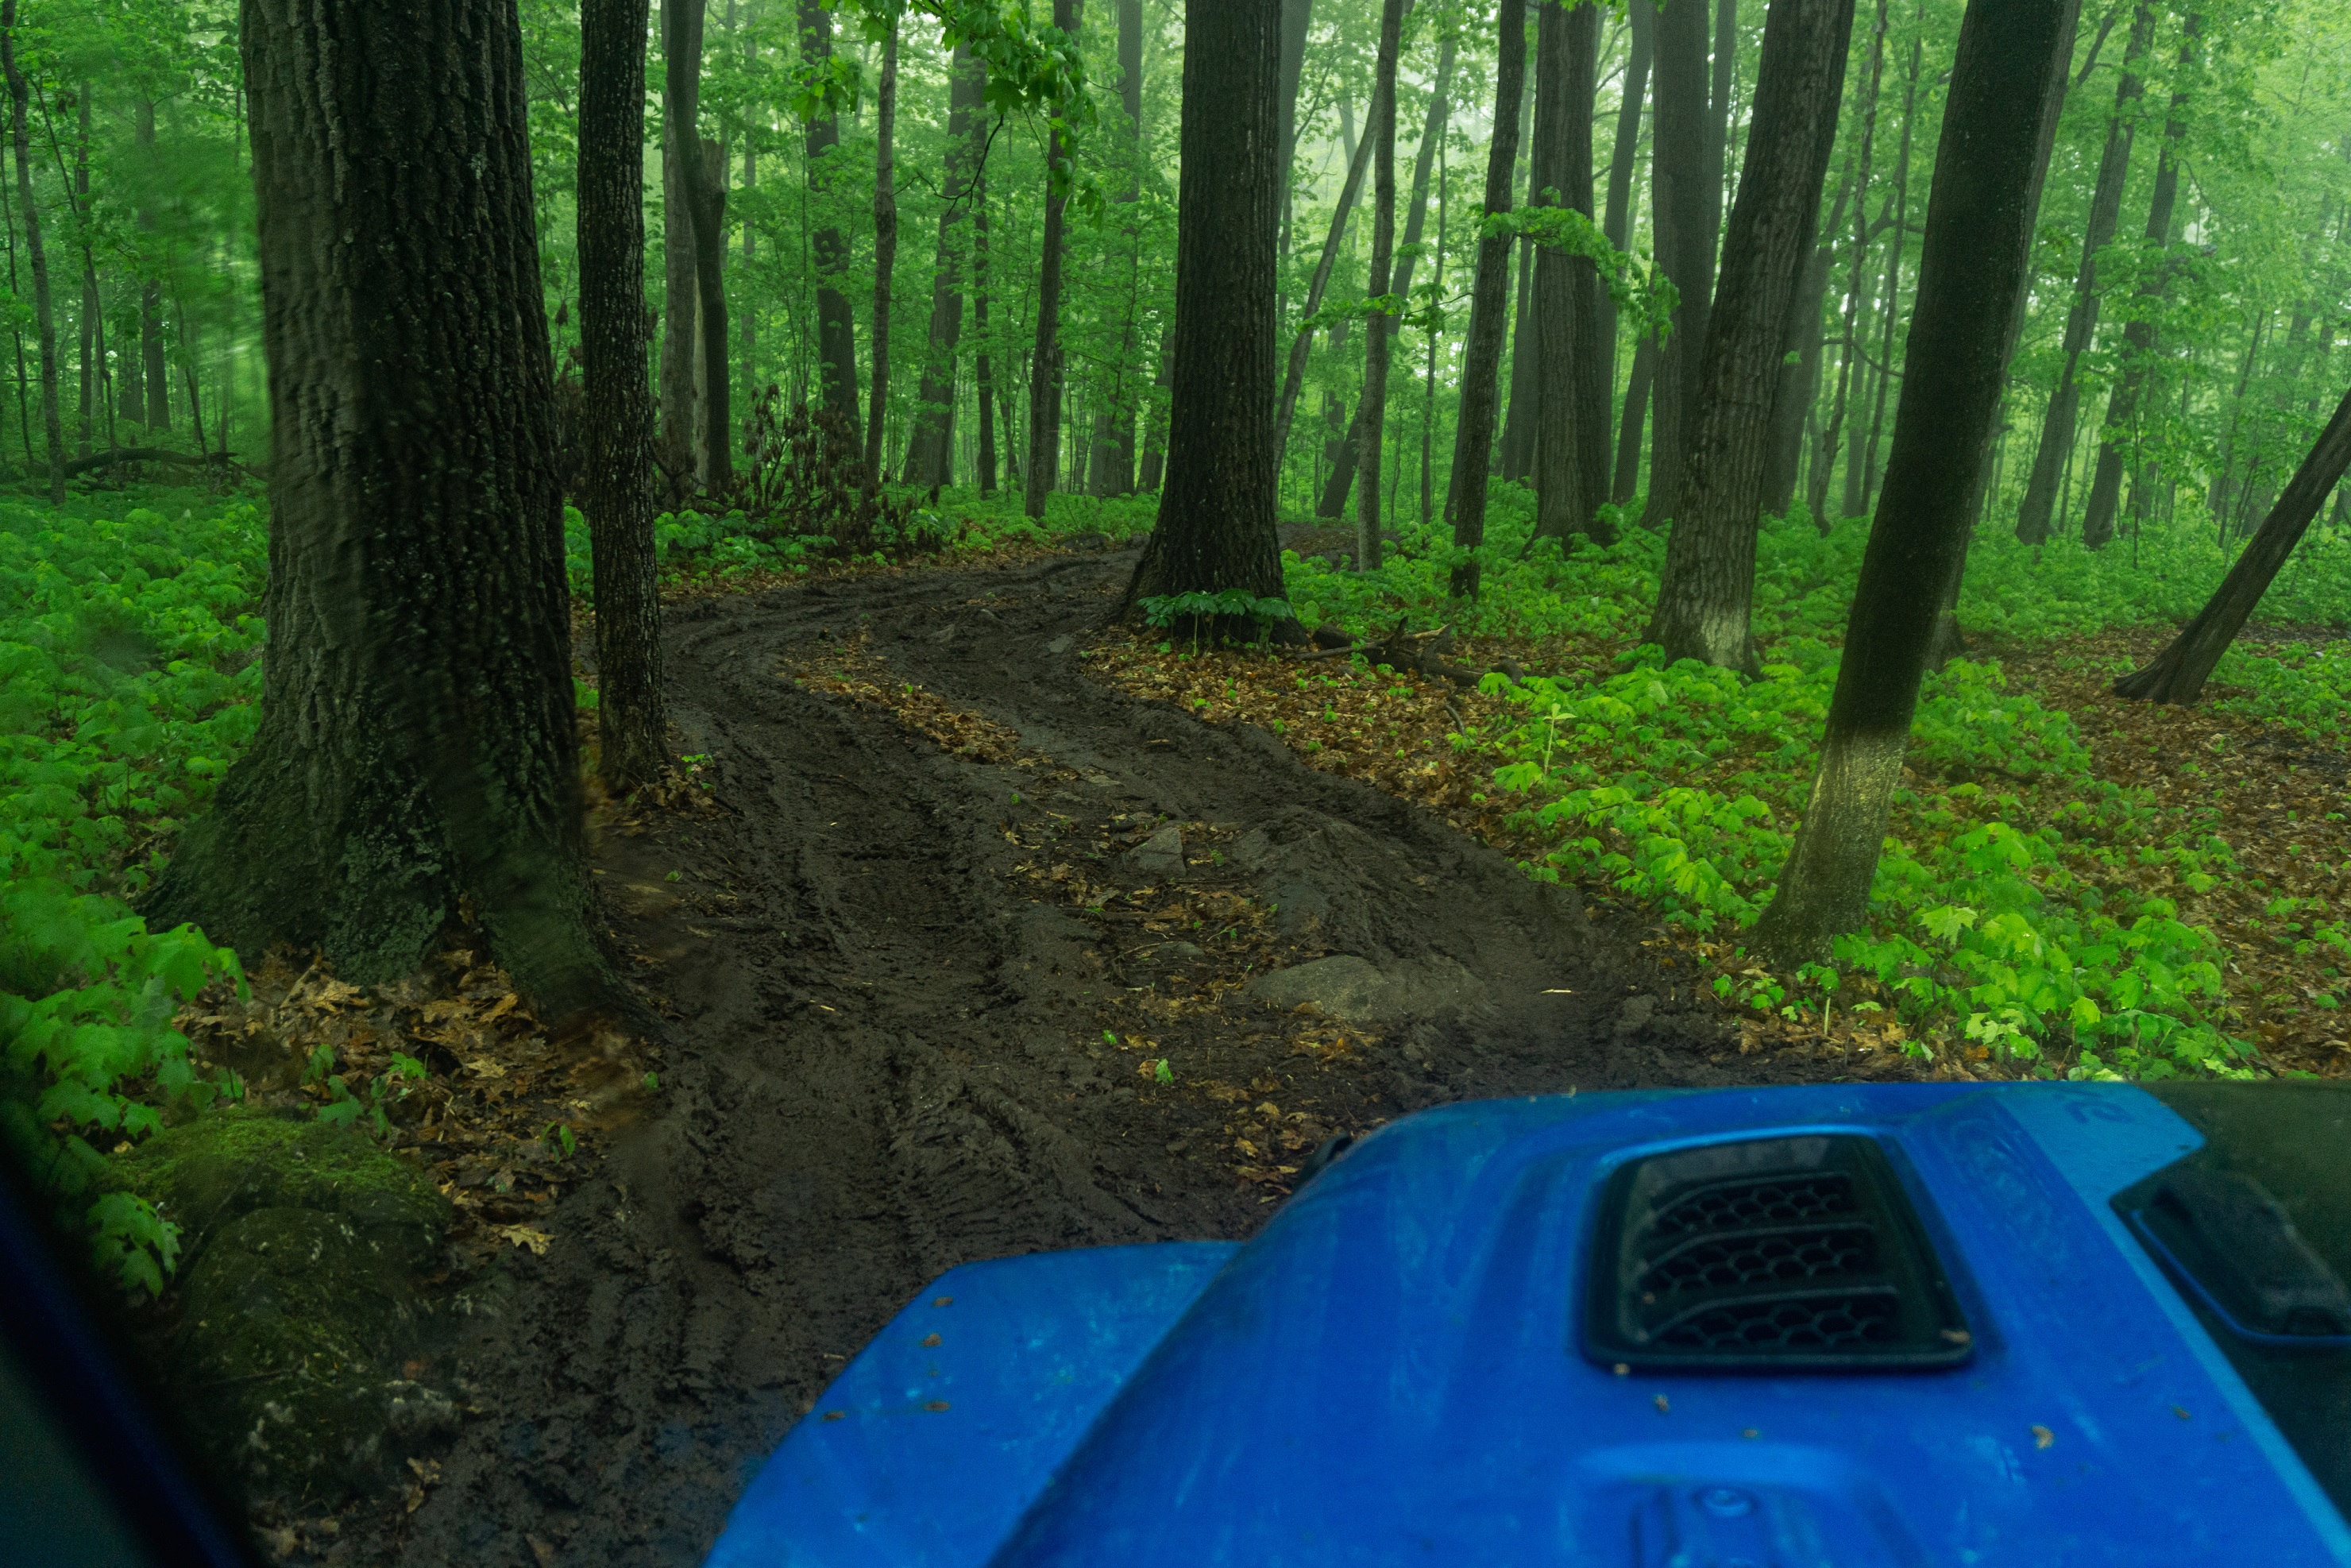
2022 904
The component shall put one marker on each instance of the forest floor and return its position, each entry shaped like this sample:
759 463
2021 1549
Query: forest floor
943 987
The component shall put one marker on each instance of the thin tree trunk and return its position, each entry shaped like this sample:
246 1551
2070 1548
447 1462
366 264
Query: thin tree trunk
715 419
886 246
1800 381
982 371
43 316
681 390
1045 378
2177 674
150 305
1725 73
1894 261
1684 241
90 308
748 363
1518 454
1975 269
1473 433
17 332
1377 338
1154 438
1825 460
929 455
1706 597
1114 433
836 325
1642 23
417 745
2139 333
632 726
1216 528
1294 373
2034 522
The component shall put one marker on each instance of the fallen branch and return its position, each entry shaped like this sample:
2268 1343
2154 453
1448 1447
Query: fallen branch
107 459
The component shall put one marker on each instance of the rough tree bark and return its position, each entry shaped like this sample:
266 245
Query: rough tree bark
45 318
930 451
1473 434
2034 519
616 495
1706 597
2139 333
1684 241
2177 674
1216 525
680 392
885 248
2001 111
1379 343
836 326
417 744
1040 469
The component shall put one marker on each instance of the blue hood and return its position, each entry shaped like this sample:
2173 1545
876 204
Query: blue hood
1392 1372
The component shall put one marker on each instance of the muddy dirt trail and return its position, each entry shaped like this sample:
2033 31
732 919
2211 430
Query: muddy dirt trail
920 997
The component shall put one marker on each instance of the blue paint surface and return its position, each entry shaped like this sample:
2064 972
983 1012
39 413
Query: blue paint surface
1390 1373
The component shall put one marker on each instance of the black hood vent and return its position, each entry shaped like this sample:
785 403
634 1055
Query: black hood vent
1774 1254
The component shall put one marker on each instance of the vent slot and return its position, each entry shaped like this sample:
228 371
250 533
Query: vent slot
1778 1253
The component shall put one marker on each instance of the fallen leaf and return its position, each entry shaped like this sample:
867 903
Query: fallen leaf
2042 1437
523 1236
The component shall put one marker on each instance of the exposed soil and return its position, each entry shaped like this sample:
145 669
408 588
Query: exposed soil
926 959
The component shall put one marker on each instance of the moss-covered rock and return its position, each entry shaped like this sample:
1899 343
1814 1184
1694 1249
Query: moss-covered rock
297 1294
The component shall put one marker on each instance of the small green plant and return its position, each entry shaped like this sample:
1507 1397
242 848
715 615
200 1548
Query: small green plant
1162 1073
558 1141
1204 609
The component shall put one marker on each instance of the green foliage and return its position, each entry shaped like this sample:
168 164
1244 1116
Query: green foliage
1200 611
129 655
2018 903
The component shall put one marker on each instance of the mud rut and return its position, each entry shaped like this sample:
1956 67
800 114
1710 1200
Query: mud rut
887 1054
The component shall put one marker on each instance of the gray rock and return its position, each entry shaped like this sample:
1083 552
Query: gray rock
1356 990
1251 852
1161 855
1062 645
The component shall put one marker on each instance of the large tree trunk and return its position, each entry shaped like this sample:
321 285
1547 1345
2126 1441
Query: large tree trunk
1800 364
631 727
1297 17
45 318
836 327
1705 599
1045 379
681 391
886 246
1684 242
2139 333
1518 454
1379 341
2177 674
930 455
1473 434
1975 267
2034 520
157 376
417 744
1215 526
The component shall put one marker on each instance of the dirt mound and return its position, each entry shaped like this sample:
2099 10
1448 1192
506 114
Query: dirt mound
945 988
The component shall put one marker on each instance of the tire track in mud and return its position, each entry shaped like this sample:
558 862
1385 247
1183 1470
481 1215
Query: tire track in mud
885 1057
